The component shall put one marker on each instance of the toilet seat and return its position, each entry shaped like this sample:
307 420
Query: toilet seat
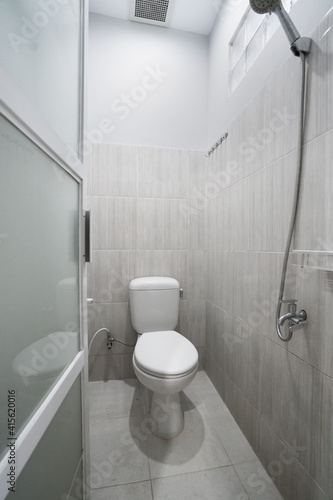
165 354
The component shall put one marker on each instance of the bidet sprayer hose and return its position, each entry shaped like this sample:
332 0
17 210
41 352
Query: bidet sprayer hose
121 342
109 339
295 202
95 335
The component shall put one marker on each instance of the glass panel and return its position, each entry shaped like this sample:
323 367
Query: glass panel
238 73
253 33
272 24
39 271
39 50
51 468
255 47
253 21
238 46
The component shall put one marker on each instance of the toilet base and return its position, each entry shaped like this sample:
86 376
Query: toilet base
166 415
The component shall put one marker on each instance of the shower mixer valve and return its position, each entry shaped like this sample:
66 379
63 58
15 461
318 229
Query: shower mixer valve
295 320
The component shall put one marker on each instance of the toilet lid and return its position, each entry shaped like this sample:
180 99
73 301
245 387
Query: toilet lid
165 354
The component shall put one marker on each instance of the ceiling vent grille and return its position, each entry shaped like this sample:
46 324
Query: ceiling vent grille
151 10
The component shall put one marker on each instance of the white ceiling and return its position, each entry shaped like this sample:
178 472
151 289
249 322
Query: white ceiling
196 16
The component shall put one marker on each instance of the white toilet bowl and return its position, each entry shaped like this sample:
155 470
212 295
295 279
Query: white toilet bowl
165 362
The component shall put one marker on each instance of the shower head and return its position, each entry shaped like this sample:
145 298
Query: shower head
263 6
297 44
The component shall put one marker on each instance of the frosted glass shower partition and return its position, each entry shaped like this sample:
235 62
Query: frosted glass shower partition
40 52
39 276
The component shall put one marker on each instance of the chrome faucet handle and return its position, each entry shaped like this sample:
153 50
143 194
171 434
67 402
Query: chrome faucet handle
299 318
288 301
298 322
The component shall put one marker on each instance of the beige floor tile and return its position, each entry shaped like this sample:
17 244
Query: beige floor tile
213 484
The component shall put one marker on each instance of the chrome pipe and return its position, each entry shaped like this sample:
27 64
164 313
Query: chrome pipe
287 24
294 208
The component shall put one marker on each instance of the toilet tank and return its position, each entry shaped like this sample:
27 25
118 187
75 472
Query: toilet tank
154 304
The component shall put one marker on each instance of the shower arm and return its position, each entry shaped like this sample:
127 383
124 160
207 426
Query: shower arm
298 44
287 24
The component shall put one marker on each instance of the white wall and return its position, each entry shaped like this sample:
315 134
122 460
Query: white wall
223 107
150 82
189 105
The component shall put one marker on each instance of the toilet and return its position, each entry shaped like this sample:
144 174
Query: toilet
164 360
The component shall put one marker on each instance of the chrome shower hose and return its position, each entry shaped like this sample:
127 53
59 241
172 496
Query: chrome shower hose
296 198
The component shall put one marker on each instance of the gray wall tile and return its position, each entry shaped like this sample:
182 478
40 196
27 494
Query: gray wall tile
315 222
143 225
292 389
122 223
163 173
111 367
161 225
292 480
161 263
281 102
192 321
320 85
113 170
245 148
116 318
109 274
219 227
245 414
215 373
285 387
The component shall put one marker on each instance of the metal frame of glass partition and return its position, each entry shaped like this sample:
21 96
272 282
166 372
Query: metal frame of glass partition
16 108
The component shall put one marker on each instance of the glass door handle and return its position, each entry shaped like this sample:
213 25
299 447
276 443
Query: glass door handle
87 235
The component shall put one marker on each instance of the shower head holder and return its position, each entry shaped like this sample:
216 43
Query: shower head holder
301 45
